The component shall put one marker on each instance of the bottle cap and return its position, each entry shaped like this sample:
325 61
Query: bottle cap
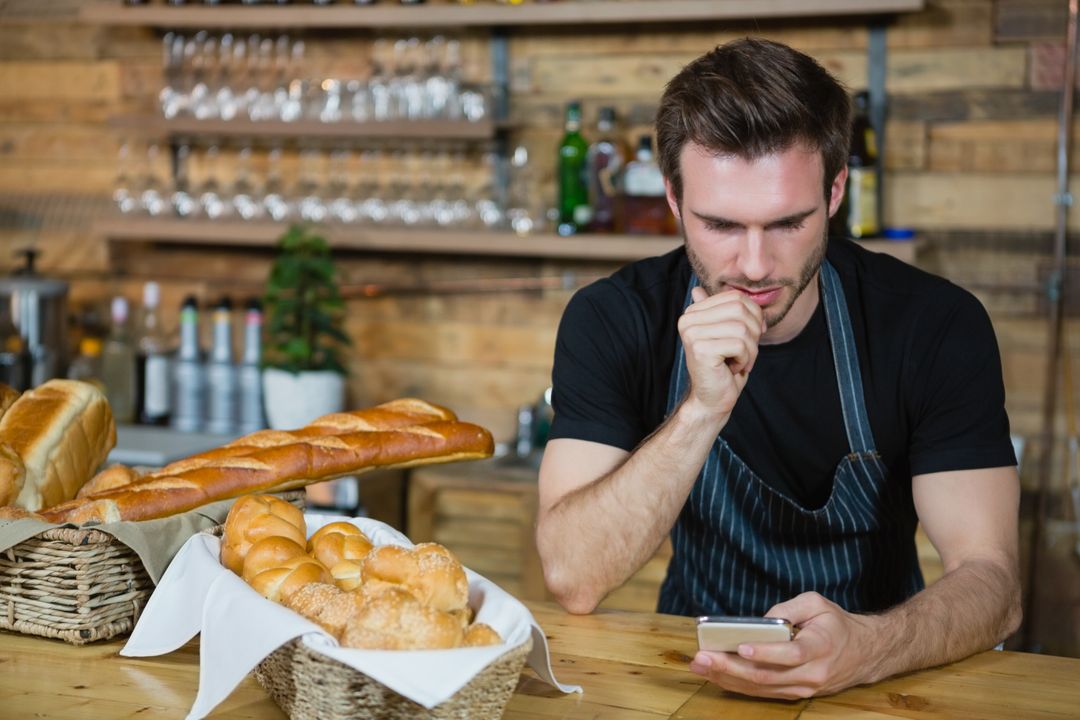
119 309
898 233
607 115
151 294
90 346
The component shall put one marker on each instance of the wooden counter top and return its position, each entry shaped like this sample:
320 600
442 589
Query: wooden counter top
632 665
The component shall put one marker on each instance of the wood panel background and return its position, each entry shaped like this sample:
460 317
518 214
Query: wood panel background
973 89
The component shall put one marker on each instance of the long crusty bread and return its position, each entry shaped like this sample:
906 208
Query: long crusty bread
401 433
62 431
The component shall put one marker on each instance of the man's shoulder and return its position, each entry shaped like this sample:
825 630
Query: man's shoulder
650 283
885 278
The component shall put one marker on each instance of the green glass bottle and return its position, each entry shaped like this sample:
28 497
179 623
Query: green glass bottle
574 211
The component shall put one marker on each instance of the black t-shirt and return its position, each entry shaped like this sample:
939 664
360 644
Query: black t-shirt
930 365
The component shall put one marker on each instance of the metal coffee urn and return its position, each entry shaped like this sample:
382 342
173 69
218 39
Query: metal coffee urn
33 333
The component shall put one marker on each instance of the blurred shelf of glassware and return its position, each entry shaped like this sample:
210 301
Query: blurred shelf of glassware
476 14
309 130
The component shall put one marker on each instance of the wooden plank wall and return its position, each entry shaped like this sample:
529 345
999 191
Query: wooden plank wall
970 149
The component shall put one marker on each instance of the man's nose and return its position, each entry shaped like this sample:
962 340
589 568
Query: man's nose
754 261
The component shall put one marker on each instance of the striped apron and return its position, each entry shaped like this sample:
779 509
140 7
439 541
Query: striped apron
740 547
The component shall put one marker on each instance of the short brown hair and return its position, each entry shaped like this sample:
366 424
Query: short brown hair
751 98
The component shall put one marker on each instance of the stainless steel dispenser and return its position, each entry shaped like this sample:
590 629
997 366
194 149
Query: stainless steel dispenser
33 333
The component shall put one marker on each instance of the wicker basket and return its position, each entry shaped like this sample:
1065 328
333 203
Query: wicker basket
310 686
78 585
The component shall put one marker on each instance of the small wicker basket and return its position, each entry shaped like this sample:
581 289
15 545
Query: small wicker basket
308 685
78 585
73 584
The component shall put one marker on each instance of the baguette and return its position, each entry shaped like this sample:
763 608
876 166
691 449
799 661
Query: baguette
398 434
61 431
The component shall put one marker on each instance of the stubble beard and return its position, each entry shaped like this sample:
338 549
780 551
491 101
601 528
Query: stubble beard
773 317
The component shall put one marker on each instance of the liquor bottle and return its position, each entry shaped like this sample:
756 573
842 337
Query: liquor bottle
118 365
603 163
574 212
151 362
189 372
645 208
251 400
87 364
859 216
221 380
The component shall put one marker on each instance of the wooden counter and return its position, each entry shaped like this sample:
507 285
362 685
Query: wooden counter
632 665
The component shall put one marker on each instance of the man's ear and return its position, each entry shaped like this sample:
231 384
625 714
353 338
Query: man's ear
836 195
672 201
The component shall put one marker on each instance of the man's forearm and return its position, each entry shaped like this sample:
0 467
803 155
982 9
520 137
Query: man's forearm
970 609
596 537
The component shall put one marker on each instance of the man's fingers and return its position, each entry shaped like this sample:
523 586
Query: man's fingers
698 294
800 608
736 353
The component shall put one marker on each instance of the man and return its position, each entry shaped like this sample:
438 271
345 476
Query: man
785 405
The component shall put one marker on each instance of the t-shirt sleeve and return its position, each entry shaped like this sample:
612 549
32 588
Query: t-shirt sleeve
596 369
958 416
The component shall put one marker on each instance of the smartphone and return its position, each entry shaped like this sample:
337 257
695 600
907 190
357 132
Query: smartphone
722 633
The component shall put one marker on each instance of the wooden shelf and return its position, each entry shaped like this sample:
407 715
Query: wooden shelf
568 12
396 240
429 241
308 129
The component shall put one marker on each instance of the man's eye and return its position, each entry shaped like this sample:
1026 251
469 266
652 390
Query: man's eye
791 226
719 227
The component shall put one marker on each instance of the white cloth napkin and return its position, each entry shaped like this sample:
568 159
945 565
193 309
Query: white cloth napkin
239 628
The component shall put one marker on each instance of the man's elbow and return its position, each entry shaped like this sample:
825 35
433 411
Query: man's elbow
568 585
1014 615
570 592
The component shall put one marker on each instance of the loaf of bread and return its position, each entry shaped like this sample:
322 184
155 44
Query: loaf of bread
8 396
401 433
382 598
61 432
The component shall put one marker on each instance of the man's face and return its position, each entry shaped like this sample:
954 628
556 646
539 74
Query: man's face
759 227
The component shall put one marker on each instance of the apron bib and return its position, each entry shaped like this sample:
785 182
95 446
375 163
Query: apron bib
740 547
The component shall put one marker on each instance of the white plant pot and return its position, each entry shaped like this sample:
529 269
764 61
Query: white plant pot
294 400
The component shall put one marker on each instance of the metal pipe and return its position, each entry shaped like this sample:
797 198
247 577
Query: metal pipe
1056 299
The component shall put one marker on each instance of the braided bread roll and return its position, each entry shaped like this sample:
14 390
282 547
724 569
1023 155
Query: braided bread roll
401 433
253 518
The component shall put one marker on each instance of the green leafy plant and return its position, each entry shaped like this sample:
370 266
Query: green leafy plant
304 308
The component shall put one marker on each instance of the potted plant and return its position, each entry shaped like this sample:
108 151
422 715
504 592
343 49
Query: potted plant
303 376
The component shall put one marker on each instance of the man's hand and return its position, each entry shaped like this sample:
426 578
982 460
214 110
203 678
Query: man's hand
832 650
720 336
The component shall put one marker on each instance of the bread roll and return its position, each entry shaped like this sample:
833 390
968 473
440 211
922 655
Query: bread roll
333 547
254 517
430 572
280 582
270 552
395 620
112 477
480 634
326 606
62 430
403 433
348 575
